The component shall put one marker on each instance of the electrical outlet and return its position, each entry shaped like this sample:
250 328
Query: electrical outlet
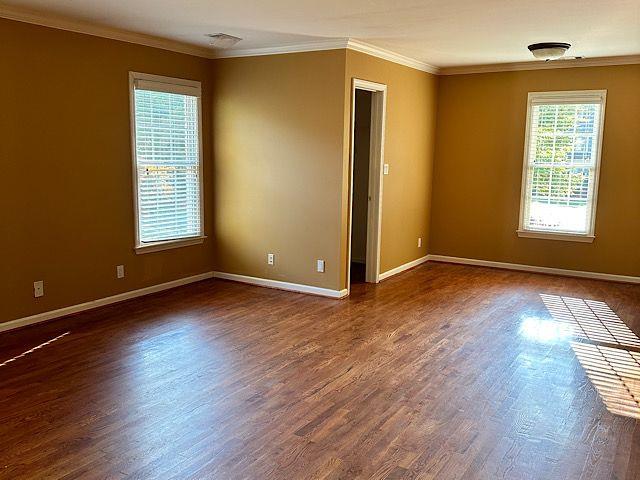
320 266
271 258
385 169
120 271
38 288
419 242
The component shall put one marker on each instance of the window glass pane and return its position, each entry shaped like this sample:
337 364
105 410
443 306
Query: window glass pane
561 164
566 118
562 149
168 165
544 150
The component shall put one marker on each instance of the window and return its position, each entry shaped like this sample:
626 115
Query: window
167 154
561 165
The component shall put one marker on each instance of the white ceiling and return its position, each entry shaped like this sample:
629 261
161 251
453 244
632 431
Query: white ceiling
439 32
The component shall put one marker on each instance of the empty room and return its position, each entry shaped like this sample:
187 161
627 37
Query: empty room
320 240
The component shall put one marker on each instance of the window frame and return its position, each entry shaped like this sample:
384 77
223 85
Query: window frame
556 97
169 85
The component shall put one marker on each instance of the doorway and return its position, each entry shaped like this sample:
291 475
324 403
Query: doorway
368 110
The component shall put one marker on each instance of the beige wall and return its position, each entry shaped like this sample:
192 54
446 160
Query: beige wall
66 196
280 126
409 151
278 133
476 196
281 132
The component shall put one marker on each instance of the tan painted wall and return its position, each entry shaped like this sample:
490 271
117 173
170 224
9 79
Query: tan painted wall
66 196
281 166
409 151
278 133
281 130
480 142
281 148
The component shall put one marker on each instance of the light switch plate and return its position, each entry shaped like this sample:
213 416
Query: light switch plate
120 271
320 266
385 169
271 258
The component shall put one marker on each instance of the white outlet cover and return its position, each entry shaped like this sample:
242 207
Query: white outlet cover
385 169
38 288
120 271
271 258
320 266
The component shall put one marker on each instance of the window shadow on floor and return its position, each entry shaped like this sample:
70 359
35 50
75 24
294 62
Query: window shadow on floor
606 348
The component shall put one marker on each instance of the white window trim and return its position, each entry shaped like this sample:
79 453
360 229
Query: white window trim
169 244
170 85
562 97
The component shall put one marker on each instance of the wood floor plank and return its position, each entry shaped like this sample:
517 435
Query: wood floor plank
443 372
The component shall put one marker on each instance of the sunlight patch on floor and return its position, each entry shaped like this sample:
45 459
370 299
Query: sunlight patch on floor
606 347
590 320
616 375
31 350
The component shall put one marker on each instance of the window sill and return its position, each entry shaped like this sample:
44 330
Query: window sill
168 245
566 237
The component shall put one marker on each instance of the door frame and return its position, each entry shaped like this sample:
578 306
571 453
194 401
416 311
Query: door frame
376 162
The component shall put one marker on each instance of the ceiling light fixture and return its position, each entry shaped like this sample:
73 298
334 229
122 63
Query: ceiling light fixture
549 50
222 40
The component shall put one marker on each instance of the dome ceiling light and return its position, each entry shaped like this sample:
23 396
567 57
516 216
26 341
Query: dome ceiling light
549 50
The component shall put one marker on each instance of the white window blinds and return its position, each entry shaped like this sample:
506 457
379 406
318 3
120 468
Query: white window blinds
167 158
562 157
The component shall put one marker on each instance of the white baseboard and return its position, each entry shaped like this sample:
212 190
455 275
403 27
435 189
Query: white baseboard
532 268
402 268
293 287
81 307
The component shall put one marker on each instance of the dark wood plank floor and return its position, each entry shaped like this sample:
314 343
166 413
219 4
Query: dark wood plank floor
442 372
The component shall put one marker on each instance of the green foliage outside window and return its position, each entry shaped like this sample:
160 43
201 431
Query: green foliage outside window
563 153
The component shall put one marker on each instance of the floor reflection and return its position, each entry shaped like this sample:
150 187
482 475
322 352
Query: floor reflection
606 347
544 331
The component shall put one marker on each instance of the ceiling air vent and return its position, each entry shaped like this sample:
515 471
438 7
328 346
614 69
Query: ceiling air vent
222 40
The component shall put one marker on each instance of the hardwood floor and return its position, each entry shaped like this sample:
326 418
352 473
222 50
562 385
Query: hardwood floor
444 372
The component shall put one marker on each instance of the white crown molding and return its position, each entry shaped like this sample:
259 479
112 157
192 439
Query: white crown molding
332 44
320 45
539 65
390 56
87 28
